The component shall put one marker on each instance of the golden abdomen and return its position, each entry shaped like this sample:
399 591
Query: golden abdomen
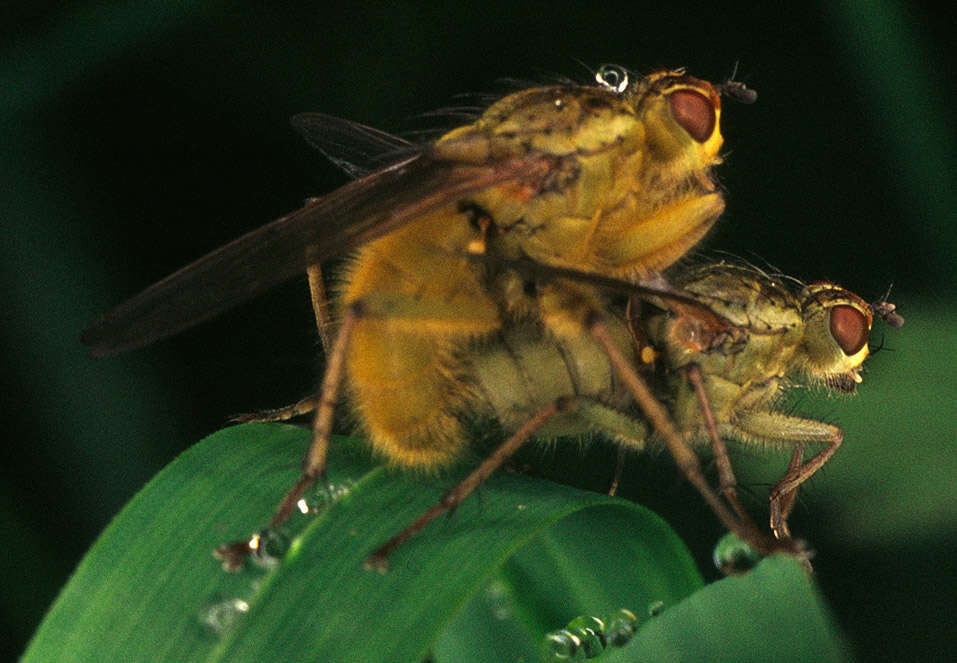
422 305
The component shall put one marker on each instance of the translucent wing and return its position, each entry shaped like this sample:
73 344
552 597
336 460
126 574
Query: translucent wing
356 213
355 148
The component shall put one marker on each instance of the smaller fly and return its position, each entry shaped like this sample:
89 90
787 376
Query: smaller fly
732 387
721 370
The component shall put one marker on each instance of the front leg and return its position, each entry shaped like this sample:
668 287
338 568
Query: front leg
781 509
777 427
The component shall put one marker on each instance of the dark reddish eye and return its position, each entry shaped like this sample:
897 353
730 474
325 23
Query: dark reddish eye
849 328
695 112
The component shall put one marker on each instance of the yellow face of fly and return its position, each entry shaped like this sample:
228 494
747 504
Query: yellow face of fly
837 325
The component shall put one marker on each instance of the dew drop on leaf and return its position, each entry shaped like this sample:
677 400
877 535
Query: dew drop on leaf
220 614
620 627
590 631
733 556
563 645
268 547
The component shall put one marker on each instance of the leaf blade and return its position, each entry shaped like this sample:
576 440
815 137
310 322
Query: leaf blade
144 586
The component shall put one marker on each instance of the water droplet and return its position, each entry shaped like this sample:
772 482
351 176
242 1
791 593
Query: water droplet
655 608
325 494
563 646
591 632
620 627
220 614
498 598
268 546
733 556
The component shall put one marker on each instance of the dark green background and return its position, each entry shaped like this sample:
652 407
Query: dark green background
136 136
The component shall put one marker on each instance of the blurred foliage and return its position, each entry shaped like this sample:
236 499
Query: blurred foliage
138 135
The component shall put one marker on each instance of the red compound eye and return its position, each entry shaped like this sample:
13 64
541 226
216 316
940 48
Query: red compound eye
695 112
849 328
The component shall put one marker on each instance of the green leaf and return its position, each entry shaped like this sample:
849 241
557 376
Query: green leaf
773 613
148 588
594 563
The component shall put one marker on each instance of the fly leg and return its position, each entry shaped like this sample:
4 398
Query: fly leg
795 430
725 472
684 456
320 304
314 465
784 491
320 308
619 468
781 509
305 406
379 559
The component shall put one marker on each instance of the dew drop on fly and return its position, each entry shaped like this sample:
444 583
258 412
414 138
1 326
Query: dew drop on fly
612 77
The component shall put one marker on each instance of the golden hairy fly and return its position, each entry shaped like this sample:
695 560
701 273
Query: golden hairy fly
609 181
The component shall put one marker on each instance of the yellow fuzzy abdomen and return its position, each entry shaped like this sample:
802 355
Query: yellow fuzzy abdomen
422 303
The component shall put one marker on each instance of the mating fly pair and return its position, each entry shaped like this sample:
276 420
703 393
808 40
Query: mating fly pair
514 234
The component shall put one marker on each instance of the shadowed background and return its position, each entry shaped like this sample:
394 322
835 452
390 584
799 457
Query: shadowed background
137 136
